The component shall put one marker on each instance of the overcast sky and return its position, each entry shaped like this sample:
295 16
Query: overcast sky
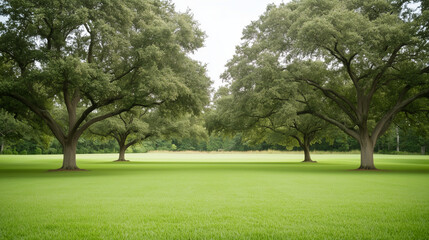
223 22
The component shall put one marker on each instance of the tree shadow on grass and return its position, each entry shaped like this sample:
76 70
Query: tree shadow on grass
38 173
115 168
256 166
124 168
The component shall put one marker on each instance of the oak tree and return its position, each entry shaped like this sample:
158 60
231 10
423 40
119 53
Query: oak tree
75 63
366 61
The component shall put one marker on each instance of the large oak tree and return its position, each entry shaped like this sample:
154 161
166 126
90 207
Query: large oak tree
96 59
365 60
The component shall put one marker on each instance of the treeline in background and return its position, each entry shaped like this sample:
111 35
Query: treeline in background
409 142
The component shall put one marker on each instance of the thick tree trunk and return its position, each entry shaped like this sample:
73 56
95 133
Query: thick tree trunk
423 150
122 149
366 154
306 148
1 147
69 156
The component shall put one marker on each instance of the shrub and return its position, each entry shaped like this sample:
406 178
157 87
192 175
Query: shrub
38 150
7 152
52 151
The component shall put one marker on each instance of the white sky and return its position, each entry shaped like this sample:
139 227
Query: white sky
223 22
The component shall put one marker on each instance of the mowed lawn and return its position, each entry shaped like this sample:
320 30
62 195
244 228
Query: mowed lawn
214 196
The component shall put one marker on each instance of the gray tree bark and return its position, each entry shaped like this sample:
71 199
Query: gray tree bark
366 154
122 139
69 156
122 149
306 148
397 139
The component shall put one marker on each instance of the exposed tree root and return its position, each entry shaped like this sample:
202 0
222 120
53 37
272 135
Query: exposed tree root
309 161
361 168
67 170
121 160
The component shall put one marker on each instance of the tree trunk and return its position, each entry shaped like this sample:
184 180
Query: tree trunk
423 150
69 156
366 154
1 147
397 139
122 148
306 148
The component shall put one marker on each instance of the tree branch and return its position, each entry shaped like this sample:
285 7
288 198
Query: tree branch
376 81
341 126
44 114
90 56
301 144
123 74
346 62
425 70
89 110
385 120
340 100
137 140
99 118
107 115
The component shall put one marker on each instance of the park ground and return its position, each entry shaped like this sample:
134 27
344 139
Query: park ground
214 196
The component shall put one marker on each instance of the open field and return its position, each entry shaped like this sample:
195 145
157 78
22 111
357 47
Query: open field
214 196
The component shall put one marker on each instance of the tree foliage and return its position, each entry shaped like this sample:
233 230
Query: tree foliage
10 129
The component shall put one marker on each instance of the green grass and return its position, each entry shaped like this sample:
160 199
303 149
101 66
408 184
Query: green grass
214 196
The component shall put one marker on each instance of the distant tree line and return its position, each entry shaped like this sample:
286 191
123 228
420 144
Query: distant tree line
410 142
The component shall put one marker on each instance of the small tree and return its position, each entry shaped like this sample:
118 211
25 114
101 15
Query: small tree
127 129
263 114
140 125
302 131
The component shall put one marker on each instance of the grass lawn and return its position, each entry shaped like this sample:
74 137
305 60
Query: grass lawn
214 196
